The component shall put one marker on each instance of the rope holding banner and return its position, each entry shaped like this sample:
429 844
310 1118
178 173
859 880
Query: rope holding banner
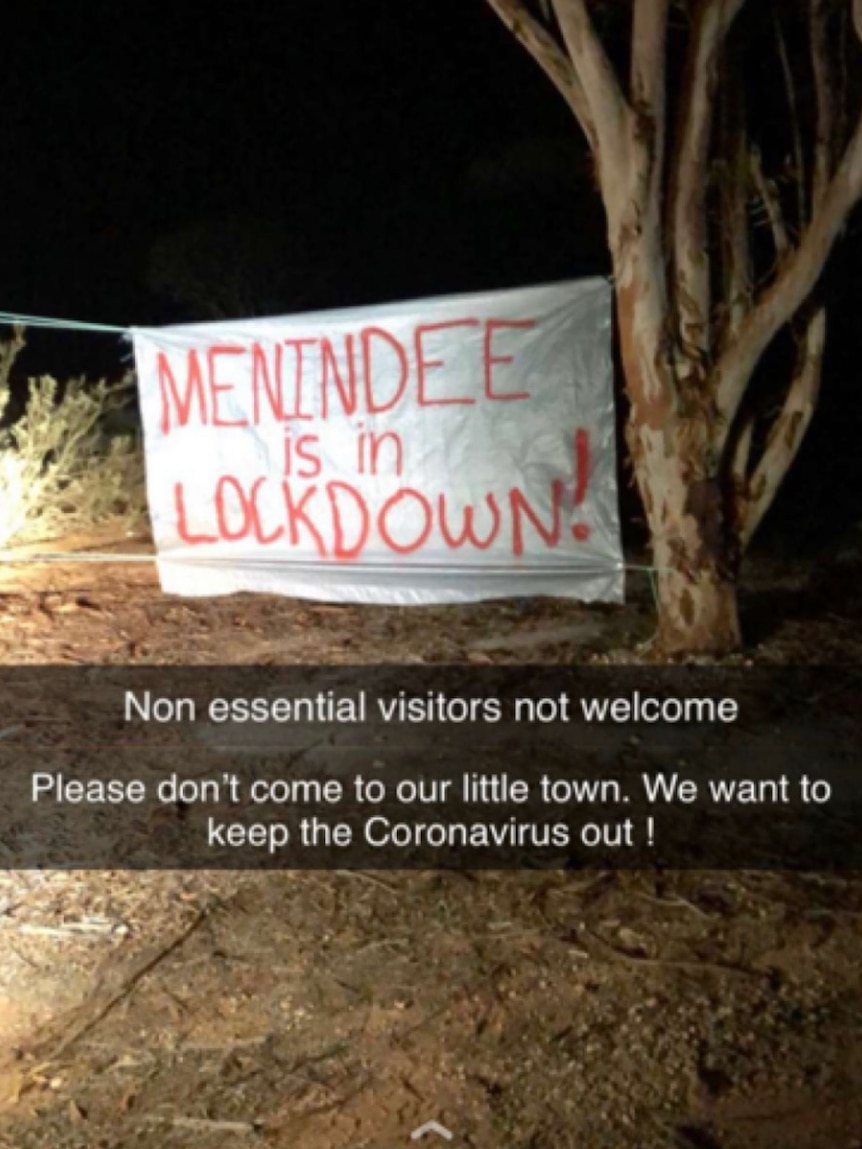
8 558
13 317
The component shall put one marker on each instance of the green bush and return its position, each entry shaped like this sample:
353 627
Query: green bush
60 469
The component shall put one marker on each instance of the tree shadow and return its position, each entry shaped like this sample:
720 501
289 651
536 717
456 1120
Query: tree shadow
832 592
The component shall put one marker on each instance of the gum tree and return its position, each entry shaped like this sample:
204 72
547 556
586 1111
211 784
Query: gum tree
720 220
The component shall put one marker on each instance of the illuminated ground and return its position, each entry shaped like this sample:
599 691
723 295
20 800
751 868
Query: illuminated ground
680 1011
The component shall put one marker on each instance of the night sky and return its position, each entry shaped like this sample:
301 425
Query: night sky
384 155
373 151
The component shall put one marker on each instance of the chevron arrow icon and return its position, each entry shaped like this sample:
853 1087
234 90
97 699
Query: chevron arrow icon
431 1127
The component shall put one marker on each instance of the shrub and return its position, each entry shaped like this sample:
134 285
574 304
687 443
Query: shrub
60 469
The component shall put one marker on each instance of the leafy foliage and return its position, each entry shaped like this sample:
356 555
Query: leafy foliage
60 469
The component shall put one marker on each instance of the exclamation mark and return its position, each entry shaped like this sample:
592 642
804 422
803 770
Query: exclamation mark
581 531
650 831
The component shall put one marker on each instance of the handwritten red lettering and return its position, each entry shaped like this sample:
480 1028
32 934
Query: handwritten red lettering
581 531
423 365
389 506
273 385
182 521
225 530
217 388
297 516
491 360
330 371
340 523
373 405
468 533
182 404
340 549
522 508
298 345
264 539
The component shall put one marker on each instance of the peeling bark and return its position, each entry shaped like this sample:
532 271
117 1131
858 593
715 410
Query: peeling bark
700 615
693 326
794 283
553 61
771 200
682 494
712 22
734 185
789 428
693 552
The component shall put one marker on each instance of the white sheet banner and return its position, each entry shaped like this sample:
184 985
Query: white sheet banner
441 451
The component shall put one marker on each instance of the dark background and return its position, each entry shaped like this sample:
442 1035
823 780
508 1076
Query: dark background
345 152
390 154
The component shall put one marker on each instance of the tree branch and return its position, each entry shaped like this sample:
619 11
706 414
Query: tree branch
795 280
641 236
797 411
648 66
608 106
802 212
545 50
740 458
771 200
734 193
789 429
824 142
648 85
688 227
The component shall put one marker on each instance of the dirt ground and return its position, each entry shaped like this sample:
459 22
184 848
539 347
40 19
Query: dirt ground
335 1010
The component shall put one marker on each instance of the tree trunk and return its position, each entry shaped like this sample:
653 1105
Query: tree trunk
684 491
689 350
694 554
697 610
